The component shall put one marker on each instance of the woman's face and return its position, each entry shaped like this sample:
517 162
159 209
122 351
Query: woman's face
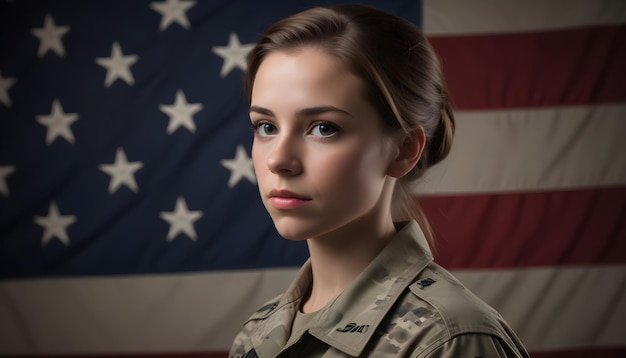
320 154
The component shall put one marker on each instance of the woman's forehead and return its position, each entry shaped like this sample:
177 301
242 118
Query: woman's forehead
309 73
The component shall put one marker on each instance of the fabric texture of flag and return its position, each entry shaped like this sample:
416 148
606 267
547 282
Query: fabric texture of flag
130 222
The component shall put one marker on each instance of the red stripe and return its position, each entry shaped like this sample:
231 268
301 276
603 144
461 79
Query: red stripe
565 67
618 352
127 355
529 229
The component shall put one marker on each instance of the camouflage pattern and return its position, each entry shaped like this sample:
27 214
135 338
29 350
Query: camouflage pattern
401 305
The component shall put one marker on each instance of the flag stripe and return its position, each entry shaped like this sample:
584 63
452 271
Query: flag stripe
617 352
222 354
557 308
116 315
445 17
533 150
566 67
581 227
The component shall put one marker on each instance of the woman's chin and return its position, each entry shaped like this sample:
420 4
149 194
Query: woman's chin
291 229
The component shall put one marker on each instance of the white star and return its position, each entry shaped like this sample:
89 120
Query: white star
5 84
241 166
58 123
50 37
55 225
5 171
234 54
181 220
181 113
172 11
122 172
117 65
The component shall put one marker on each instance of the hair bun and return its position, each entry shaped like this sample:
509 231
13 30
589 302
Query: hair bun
441 141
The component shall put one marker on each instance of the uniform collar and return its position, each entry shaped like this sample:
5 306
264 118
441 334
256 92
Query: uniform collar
349 321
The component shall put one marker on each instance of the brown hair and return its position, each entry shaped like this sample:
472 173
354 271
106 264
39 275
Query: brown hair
399 67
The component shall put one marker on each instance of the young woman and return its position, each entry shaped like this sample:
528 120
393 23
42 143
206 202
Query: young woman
348 105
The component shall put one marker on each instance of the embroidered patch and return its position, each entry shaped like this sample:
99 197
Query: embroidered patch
426 282
353 327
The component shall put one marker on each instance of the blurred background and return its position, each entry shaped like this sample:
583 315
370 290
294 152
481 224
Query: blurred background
130 222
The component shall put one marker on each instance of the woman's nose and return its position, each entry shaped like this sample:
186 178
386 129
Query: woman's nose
284 158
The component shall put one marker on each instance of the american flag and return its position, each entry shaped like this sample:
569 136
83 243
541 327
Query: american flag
130 222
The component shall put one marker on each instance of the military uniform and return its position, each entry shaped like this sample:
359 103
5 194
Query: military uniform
401 305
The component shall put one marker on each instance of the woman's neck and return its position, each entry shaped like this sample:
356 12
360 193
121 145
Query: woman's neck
339 257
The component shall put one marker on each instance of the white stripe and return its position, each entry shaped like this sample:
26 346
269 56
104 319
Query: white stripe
156 313
450 17
549 308
557 308
533 149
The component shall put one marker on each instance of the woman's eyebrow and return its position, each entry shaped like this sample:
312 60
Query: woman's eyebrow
261 110
311 111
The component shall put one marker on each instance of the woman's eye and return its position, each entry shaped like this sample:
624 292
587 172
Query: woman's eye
265 129
324 130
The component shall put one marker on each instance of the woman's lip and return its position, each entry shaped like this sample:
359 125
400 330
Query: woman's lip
285 199
281 202
281 193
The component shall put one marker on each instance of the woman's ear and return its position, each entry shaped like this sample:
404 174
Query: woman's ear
408 152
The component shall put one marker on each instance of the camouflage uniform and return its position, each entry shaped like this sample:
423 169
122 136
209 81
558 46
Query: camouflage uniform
401 305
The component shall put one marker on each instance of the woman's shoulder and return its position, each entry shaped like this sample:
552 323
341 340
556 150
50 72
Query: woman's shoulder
265 309
446 311
459 308
242 343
